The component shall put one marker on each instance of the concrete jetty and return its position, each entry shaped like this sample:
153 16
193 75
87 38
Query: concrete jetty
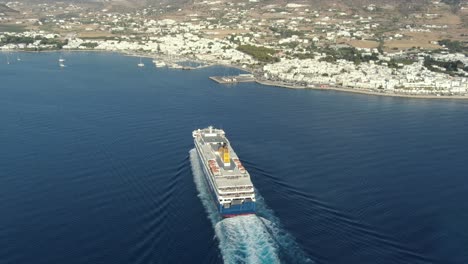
233 79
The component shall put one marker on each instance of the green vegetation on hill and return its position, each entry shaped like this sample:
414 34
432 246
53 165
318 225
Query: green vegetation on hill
261 54
16 40
454 4
304 56
89 45
347 53
54 42
395 63
454 46
100 38
451 67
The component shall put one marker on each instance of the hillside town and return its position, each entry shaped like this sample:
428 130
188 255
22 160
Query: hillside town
288 44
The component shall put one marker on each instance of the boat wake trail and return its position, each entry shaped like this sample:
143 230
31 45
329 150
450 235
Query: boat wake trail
251 238
244 239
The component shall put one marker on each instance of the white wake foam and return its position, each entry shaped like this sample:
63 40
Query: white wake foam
247 239
244 239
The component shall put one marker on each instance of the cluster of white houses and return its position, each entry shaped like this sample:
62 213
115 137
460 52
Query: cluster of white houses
413 79
409 79
187 44
198 36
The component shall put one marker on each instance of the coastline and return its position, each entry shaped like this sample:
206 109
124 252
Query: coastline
361 91
173 59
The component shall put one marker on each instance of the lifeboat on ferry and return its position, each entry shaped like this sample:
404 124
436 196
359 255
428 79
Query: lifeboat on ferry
239 165
213 167
241 169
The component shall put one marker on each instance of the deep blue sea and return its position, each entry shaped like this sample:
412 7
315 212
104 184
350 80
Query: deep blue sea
96 167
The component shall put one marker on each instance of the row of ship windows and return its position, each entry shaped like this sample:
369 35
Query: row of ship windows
237 195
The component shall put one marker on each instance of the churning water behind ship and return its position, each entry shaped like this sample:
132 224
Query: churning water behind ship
251 238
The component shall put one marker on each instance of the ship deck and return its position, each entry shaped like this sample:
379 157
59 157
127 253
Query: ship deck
230 176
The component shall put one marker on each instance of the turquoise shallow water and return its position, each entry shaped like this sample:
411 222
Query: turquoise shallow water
95 167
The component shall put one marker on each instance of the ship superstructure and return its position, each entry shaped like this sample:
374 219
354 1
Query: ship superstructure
228 180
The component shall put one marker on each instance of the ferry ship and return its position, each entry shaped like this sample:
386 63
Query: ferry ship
229 182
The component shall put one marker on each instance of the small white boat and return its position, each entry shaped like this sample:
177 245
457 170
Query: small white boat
141 64
61 59
62 65
159 64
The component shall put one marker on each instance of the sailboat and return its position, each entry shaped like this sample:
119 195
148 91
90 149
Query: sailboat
8 58
141 64
61 60
18 58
